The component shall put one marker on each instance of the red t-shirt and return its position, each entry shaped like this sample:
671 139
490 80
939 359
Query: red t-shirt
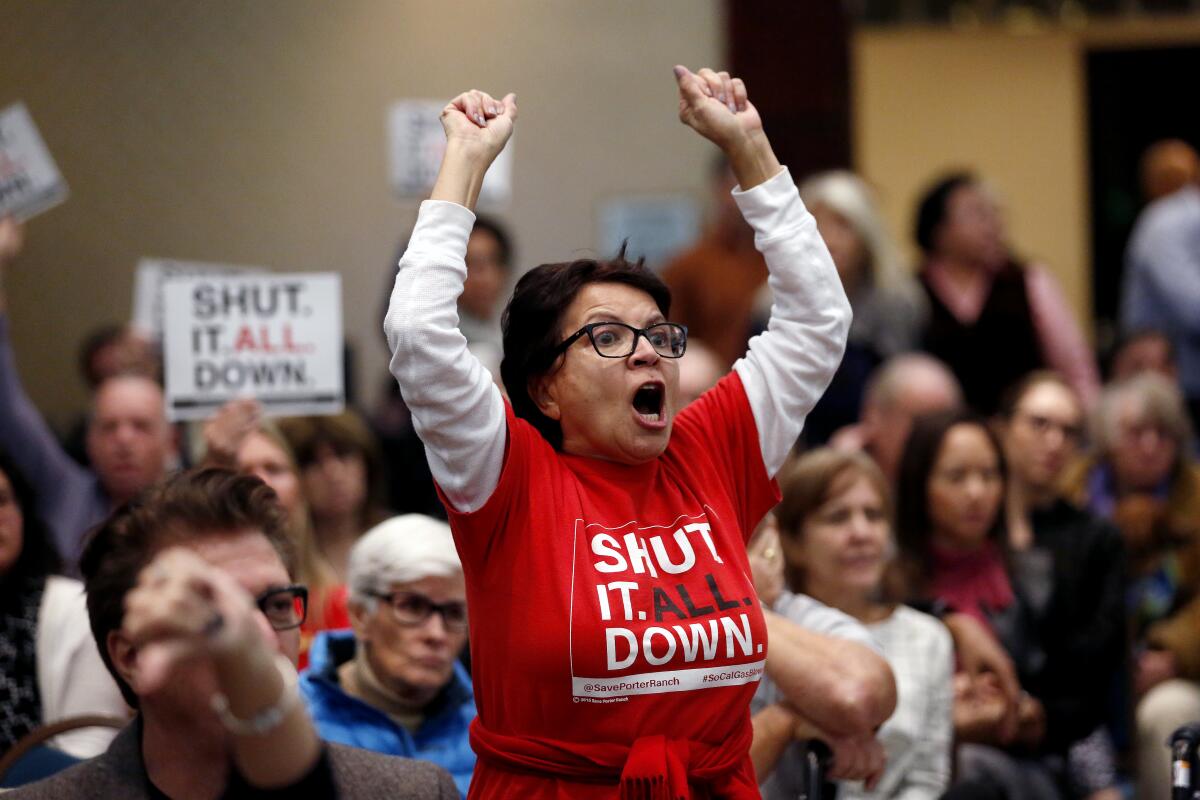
330 611
612 602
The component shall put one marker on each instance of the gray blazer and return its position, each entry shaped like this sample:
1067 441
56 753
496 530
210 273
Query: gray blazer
119 773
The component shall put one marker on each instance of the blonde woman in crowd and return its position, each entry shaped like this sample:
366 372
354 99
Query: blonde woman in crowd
835 535
238 437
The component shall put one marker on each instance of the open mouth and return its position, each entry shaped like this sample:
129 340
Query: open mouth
648 402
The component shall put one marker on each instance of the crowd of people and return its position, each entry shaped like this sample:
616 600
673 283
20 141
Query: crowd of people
786 511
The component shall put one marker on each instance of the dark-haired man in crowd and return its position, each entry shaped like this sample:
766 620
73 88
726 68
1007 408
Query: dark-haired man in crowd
192 604
129 442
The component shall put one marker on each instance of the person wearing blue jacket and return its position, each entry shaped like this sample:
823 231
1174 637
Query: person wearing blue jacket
394 683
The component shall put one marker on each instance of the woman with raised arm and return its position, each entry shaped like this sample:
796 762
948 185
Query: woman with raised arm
614 632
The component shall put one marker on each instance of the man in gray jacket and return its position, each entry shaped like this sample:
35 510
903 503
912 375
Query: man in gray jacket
191 601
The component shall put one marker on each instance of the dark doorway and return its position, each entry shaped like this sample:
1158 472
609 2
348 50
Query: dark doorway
1135 98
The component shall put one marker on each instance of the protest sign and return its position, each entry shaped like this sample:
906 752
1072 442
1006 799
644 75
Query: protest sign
152 273
30 181
654 228
416 143
274 337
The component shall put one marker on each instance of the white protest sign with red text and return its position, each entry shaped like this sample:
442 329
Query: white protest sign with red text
277 338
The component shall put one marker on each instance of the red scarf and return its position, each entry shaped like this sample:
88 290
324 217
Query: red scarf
651 768
971 581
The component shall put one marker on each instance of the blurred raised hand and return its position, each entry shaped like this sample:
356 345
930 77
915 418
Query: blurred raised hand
225 431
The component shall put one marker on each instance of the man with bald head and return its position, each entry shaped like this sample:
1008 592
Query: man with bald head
129 441
901 389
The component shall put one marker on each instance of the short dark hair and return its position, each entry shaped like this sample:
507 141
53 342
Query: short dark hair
914 524
1131 337
931 210
499 233
93 343
1015 393
192 505
533 317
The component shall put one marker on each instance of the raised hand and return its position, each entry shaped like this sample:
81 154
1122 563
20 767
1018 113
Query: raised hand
716 106
225 431
183 609
766 561
12 236
477 128
478 120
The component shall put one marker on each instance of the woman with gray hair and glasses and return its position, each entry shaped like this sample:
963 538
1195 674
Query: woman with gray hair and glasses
1145 478
393 684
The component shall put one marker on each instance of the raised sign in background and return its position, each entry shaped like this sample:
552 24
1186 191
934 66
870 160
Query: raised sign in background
30 181
274 337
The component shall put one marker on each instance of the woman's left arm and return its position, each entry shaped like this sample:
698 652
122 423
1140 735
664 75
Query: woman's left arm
787 368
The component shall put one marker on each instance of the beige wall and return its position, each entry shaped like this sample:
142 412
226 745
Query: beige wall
1011 106
221 130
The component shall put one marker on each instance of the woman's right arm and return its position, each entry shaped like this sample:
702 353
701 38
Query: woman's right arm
457 409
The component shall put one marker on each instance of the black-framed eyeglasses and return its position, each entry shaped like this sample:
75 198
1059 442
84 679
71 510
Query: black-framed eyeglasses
413 608
285 608
618 340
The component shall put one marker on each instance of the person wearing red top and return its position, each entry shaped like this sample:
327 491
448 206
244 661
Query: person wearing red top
616 639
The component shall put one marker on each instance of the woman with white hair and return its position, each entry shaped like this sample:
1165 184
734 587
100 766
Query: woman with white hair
889 310
1145 478
394 683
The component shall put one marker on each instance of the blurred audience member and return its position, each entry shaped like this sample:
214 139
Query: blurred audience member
408 480
901 389
1145 479
835 533
1067 565
49 667
394 683
128 440
489 259
889 308
992 319
825 680
238 437
699 371
108 351
342 478
489 262
1161 285
715 283
191 599
1145 350
1167 166
952 530
117 350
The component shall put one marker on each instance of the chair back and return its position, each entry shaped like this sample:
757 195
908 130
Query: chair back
30 759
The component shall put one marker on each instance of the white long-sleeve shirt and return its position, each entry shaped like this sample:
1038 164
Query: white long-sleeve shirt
459 414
